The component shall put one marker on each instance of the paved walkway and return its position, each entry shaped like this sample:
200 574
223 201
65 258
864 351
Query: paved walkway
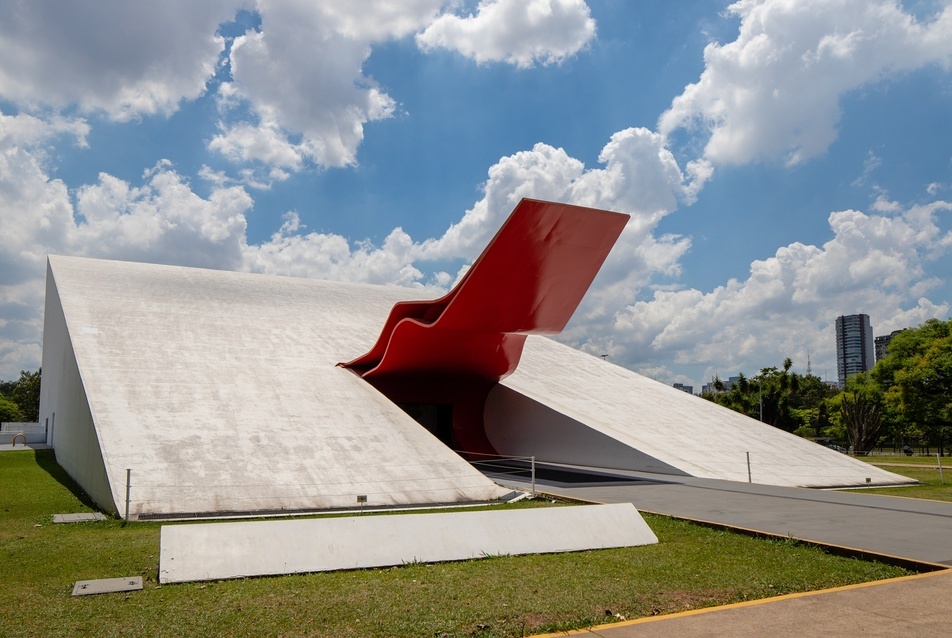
910 607
919 530
910 528
19 447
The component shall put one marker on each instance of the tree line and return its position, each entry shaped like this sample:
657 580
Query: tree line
905 400
20 399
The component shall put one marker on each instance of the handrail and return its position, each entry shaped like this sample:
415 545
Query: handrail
488 463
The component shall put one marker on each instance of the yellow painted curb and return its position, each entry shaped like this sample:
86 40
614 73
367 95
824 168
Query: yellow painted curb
937 568
745 603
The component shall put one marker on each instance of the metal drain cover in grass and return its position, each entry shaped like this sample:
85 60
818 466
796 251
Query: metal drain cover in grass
107 585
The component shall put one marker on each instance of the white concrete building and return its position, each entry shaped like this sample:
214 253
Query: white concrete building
220 392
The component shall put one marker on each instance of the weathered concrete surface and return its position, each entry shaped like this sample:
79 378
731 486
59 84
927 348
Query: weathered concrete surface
220 391
557 391
81 517
107 585
213 551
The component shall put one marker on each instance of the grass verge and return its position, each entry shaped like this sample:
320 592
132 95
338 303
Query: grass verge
691 567
900 459
925 471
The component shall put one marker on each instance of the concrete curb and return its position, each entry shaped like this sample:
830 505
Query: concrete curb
597 629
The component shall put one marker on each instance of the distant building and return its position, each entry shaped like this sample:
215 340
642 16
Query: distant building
854 346
882 344
709 388
684 388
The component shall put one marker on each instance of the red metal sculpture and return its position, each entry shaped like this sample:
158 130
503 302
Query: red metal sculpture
529 280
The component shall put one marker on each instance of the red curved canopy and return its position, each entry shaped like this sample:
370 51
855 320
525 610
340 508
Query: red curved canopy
529 280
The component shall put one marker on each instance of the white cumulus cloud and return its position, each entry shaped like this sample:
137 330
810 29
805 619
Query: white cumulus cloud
786 307
125 59
301 72
775 91
519 32
297 95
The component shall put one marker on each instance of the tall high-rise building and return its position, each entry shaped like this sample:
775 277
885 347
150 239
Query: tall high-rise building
854 346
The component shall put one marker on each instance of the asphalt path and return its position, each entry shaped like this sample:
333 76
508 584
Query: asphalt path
909 528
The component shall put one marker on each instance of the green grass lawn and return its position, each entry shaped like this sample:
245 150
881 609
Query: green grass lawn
925 471
691 567
906 460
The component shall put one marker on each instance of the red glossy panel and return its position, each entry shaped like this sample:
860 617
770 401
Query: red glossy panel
535 271
529 280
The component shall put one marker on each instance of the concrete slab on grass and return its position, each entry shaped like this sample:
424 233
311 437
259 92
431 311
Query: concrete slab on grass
107 585
82 517
214 551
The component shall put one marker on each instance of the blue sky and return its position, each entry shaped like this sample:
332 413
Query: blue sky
783 163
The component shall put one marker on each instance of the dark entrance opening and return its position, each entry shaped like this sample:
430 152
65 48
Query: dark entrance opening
450 406
437 418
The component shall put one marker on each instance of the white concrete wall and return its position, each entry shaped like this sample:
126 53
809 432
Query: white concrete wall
686 432
64 407
220 391
519 426
32 432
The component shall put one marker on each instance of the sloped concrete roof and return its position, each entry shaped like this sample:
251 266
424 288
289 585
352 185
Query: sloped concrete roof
691 434
220 391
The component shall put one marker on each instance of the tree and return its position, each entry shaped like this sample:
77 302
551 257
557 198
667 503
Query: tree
738 397
917 377
26 395
779 397
9 411
861 411
777 393
6 388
